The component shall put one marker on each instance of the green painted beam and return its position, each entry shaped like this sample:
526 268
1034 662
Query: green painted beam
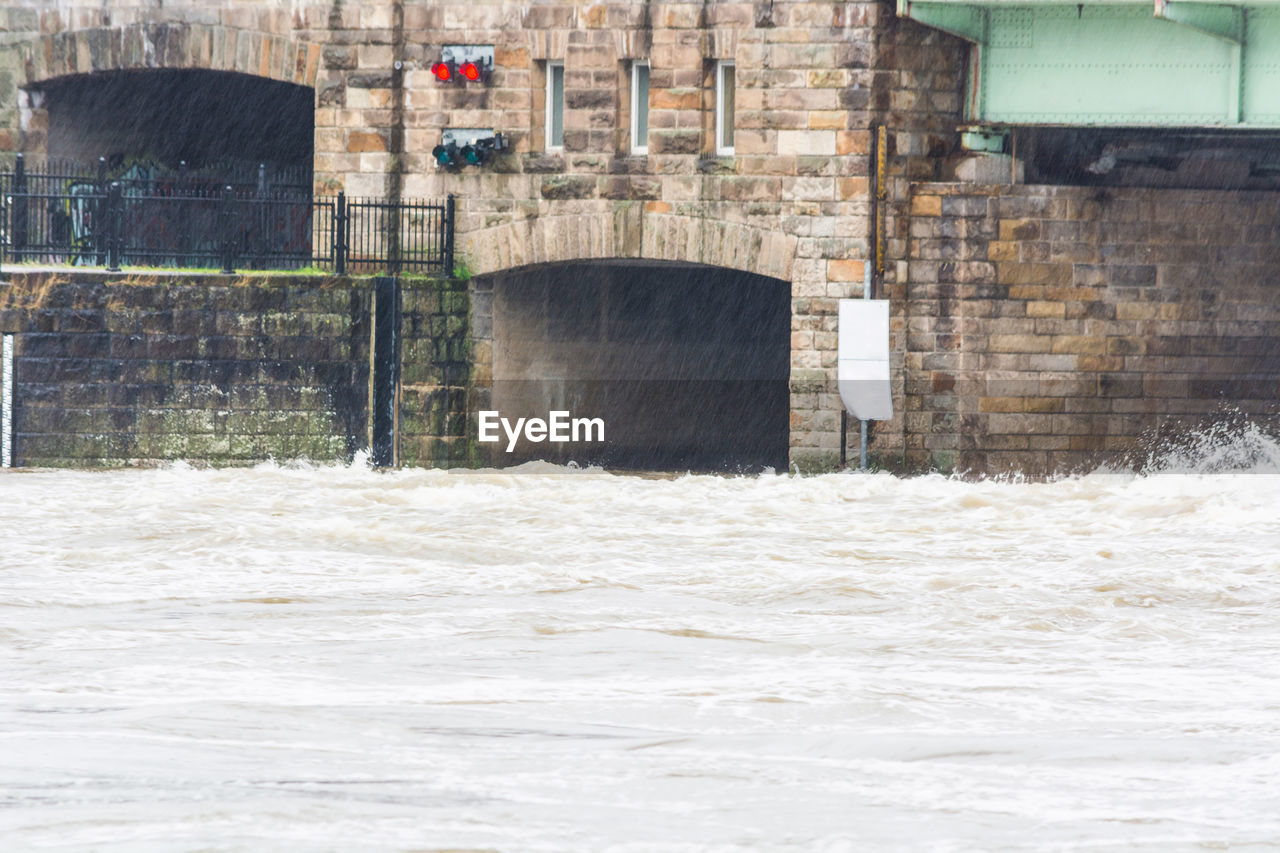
1145 63
1225 22
968 22
1041 4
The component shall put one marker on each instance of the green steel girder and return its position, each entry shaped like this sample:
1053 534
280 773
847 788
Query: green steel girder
1157 63
968 22
1225 22
988 139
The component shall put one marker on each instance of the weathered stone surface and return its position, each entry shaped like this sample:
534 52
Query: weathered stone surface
232 371
568 186
1066 348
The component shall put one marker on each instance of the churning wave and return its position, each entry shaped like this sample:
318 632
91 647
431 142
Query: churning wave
1229 447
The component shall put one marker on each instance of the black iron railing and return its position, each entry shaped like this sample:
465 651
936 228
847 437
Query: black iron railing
60 215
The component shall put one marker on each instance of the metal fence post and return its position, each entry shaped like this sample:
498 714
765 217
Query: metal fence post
181 191
260 218
98 214
394 212
340 235
448 236
18 222
114 225
228 225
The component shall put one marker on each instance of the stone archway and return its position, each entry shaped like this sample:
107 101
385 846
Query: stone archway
64 60
628 231
169 45
524 362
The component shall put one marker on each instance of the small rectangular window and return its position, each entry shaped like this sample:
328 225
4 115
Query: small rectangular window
724 107
639 108
555 105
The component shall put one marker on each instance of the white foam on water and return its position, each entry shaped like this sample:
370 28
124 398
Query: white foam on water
552 658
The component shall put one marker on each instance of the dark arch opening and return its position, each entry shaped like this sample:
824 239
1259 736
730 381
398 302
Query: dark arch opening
687 366
167 116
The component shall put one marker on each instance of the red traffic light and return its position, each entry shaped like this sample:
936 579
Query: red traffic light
464 64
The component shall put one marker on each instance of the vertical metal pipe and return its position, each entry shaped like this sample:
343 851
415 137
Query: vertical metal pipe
262 216
182 195
880 197
386 369
448 236
18 211
114 226
340 235
6 402
228 227
99 233
844 437
395 141
862 443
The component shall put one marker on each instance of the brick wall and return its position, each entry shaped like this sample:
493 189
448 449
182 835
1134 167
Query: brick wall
1056 328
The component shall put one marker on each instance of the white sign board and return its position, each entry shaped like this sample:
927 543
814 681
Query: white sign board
863 358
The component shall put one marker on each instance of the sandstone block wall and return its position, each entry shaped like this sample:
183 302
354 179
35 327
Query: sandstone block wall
438 369
113 370
1053 329
223 370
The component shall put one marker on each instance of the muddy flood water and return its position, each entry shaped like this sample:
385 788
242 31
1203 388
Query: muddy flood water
552 659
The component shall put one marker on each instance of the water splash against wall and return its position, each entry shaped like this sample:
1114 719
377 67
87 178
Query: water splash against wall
1234 445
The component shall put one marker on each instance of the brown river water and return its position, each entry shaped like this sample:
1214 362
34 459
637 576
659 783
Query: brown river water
294 657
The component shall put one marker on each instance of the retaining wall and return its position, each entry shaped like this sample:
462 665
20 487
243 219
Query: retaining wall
124 369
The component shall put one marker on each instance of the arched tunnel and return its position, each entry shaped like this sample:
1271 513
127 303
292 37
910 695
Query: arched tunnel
166 116
686 365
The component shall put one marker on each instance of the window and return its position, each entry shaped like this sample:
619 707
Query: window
639 108
724 107
555 105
